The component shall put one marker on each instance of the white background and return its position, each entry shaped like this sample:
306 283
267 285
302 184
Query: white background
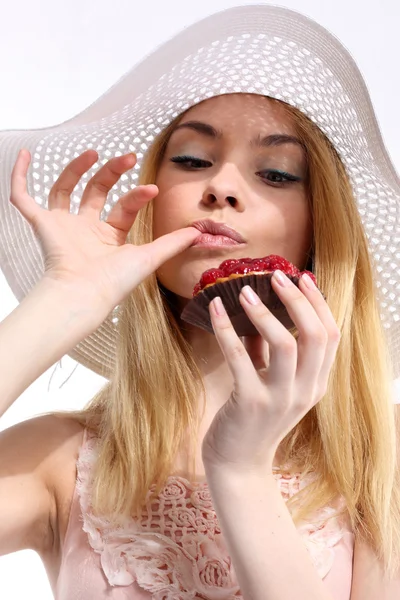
57 58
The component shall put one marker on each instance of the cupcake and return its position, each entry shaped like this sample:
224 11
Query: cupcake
228 279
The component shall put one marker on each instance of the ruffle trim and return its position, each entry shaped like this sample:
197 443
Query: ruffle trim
176 549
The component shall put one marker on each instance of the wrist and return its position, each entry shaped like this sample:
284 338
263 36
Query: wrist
239 480
77 294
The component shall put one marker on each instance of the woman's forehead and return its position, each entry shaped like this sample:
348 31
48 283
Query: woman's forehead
246 112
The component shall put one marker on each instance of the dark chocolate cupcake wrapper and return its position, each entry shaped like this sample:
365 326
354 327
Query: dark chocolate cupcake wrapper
197 312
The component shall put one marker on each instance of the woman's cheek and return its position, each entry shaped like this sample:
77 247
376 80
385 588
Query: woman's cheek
169 215
163 216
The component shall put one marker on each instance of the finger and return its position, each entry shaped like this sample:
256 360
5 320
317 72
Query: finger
95 195
155 253
124 212
19 196
236 356
60 193
312 338
325 315
282 346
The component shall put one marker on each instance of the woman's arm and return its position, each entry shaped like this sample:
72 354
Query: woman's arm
270 559
368 582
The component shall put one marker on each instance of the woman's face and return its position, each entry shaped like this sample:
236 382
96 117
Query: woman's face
254 185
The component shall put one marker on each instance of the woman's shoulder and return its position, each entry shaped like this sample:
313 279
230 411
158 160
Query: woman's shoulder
67 435
55 437
63 437
39 453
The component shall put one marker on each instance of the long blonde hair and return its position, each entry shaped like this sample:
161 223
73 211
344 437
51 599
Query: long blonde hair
150 407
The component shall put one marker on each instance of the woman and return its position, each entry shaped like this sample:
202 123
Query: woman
286 427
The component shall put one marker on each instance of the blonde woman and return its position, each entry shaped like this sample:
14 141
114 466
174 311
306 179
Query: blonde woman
211 465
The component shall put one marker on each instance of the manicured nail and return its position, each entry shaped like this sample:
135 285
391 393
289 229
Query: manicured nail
249 295
308 281
218 306
281 278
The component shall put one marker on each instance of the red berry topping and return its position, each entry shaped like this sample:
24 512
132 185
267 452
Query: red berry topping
227 263
277 261
231 265
197 289
210 276
239 269
242 266
261 264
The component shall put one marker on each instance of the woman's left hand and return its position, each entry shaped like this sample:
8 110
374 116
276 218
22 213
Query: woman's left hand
268 400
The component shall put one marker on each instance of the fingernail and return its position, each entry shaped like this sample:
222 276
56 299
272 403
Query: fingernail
281 278
218 306
250 296
309 282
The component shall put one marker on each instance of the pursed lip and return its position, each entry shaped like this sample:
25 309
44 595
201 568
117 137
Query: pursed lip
214 228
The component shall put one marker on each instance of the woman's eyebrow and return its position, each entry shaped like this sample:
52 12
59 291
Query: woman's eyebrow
274 139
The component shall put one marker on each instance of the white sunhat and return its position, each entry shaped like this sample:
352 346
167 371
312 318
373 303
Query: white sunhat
259 49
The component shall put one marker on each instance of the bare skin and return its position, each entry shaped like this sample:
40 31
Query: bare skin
38 482
63 478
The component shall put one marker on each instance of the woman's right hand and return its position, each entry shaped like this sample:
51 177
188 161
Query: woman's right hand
81 249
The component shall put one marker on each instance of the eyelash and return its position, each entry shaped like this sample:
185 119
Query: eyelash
184 160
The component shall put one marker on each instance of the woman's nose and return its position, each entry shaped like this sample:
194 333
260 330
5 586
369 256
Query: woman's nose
224 188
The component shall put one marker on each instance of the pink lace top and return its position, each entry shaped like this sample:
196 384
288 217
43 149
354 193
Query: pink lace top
176 551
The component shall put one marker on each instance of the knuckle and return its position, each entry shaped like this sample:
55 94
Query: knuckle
114 166
297 297
57 191
262 311
335 335
320 336
224 325
288 347
237 351
98 185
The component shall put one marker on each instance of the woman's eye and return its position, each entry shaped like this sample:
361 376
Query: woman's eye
274 176
191 162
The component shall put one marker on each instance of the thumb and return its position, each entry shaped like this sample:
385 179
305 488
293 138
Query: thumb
167 246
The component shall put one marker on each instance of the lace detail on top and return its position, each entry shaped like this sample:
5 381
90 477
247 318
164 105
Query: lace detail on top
176 549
